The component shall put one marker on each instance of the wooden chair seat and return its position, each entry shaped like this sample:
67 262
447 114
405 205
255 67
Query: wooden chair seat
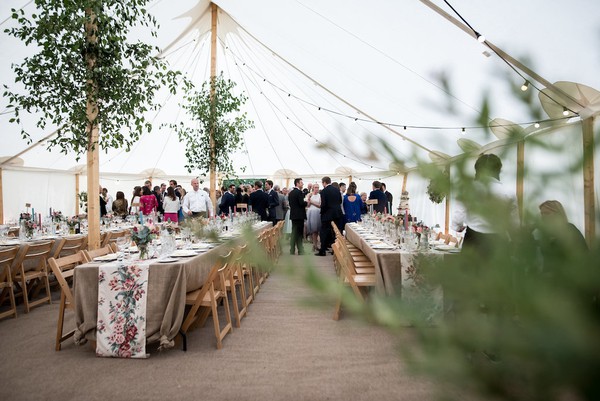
365 270
204 302
90 255
363 280
7 256
36 254
64 268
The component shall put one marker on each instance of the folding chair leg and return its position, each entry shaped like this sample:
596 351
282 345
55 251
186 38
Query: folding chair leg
61 319
338 309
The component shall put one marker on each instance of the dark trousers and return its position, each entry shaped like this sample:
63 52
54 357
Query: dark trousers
296 237
326 235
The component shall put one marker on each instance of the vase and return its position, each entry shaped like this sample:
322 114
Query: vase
143 248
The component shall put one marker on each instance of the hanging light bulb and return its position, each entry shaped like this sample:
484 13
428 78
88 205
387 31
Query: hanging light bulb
565 111
536 125
525 86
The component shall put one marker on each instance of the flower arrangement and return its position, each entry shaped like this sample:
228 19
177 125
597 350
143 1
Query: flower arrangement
25 216
170 226
72 222
57 216
28 226
143 235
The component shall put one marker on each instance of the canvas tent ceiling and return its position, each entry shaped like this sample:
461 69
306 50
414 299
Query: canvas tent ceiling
381 58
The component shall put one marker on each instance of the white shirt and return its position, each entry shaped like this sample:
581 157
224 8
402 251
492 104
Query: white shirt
109 202
479 223
170 205
135 205
197 201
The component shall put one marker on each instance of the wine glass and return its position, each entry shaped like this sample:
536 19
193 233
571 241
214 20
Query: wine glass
122 244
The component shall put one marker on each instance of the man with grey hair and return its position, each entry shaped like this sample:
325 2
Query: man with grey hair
196 203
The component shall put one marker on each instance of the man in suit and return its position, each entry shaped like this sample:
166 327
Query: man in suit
378 194
330 211
389 197
259 200
297 216
228 201
273 201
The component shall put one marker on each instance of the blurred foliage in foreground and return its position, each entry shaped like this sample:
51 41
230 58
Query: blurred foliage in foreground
520 322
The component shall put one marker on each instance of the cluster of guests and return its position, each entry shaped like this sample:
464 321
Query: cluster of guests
173 202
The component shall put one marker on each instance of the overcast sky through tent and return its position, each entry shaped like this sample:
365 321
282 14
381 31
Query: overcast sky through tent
381 57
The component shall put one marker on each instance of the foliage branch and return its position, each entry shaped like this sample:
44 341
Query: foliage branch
85 56
223 116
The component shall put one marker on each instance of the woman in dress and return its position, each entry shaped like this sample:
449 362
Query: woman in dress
313 215
287 225
148 203
363 198
183 192
135 200
119 205
171 206
352 204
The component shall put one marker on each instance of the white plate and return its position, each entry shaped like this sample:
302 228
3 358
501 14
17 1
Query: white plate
167 260
106 258
183 253
383 246
202 246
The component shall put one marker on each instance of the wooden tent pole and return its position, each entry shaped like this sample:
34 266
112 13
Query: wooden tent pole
213 76
1 198
93 164
520 177
404 182
77 194
588 180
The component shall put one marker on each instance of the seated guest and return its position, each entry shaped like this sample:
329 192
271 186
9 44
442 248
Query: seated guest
559 240
379 195
119 205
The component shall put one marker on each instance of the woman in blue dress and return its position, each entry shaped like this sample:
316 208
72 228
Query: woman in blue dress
353 204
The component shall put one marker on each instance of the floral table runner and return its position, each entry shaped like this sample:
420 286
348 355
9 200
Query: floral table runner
121 324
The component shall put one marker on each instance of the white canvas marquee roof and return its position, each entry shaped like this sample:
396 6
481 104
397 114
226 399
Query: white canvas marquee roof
322 77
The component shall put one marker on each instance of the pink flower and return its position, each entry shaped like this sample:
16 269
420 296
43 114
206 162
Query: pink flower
119 338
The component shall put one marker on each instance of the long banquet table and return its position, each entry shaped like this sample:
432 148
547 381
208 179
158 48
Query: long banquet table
396 270
167 287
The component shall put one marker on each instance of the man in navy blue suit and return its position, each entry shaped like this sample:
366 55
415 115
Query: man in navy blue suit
228 201
259 200
378 194
330 211
273 201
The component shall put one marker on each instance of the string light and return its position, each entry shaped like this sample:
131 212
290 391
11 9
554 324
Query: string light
565 111
536 125
480 37
525 86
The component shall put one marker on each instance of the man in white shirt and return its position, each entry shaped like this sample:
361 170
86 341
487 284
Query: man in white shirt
196 203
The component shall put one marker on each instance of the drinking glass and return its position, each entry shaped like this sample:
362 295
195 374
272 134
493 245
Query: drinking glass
122 244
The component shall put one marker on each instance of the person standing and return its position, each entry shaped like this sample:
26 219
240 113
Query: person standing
171 205
389 197
281 207
330 211
108 199
313 215
273 201
352 205
159 200
297 216
259 200
148 203
228 201
378 194
196 203
102 203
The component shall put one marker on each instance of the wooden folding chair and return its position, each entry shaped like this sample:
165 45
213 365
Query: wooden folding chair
37 271
70 246
356 253
105 238
349 276
112 239
90 255
247 273
237 280
7 256
204 301
241 206
63 268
